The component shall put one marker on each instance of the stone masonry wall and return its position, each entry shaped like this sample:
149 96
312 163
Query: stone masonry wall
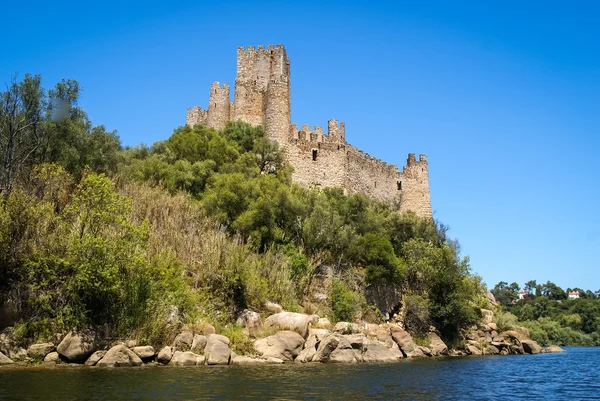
415 187
218 106
262 97
316 160
196 115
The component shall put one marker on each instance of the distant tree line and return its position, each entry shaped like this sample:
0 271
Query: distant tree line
550 314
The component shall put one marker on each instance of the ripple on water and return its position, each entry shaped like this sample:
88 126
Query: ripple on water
571 375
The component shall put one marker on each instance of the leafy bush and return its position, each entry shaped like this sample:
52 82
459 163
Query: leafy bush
345 304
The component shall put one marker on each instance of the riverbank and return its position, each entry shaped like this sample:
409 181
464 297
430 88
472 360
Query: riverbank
284 337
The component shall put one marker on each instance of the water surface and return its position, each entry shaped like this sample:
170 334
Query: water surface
573 375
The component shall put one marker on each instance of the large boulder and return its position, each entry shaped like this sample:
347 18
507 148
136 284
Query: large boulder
272 307
119 355
487 316
473 350
165 355
217 350
53 357
425 350
198 343
145 352
323 323
183 341
310 347
531 347
490 350
250 321
77 346
298 322
186 358
553 348
346 328
378 352
406 343
4 360
39 351
216 337
437 346
95 358
523 332
335 348
285 345
357 341
382 333
246 360
512 338
18 354
7 341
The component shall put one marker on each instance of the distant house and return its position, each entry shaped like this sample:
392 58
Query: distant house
573 294
523 294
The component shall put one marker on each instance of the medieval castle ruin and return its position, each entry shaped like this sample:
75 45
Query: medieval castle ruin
262 97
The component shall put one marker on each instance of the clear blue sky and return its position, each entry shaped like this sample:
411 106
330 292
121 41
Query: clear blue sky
503 97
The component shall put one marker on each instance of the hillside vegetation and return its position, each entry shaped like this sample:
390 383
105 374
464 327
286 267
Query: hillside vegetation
198 227
548 313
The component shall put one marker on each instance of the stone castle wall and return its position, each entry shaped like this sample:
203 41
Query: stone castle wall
262 97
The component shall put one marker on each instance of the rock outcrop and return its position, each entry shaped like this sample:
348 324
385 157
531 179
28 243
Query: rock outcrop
553 348
298 322
52 357
119 355
183 341
379 352
39 351
4 360
284 345
437 346
187 358
531 347
77 346
145 352
250 321
246 360
165 355
405 342
95 358
217 350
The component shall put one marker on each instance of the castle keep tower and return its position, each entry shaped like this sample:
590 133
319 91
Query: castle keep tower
262 97
262 90
218 106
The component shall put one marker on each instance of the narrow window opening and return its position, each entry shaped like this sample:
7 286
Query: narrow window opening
399 185
314 155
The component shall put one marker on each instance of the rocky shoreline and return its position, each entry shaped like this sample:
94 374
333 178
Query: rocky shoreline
295 338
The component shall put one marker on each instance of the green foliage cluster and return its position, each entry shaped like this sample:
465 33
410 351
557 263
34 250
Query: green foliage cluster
548 313
205 223
72 257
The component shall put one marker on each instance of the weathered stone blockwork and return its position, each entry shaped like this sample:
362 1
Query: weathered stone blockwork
262 97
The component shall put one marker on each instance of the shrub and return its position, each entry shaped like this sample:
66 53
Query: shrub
345 304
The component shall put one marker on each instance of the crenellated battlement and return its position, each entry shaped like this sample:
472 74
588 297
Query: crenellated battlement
216 86
262 97
196 115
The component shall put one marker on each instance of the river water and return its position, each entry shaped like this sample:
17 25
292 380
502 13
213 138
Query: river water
573 375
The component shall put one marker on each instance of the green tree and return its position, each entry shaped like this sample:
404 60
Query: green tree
21 107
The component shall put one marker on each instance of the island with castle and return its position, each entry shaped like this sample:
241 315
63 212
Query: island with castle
262 97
